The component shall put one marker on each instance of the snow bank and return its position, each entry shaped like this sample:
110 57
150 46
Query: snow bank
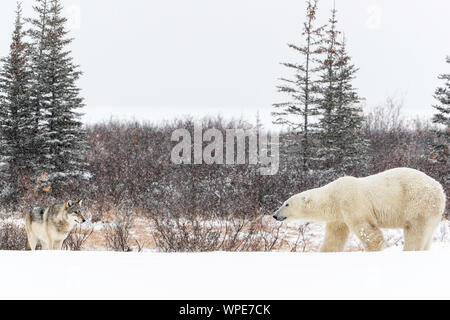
109 275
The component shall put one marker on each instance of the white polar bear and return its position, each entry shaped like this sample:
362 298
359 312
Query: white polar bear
398 198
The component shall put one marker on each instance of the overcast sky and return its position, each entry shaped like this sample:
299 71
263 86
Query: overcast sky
157 59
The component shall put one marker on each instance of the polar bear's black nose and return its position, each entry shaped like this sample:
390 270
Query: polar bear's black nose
281 219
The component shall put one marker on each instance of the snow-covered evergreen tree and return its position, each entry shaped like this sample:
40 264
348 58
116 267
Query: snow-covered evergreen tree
342 146
302 89
15 121
353 146
328 99
38 51
441 145
61 137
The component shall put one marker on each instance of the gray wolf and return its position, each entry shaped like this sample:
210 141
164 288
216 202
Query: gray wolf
51 225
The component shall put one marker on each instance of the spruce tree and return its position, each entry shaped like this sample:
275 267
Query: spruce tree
15 108
342 145
62 138
298 112
328 98
352 144
441 145
38 52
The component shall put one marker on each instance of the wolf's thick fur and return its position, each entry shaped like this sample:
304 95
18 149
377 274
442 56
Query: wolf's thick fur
399 198
51 226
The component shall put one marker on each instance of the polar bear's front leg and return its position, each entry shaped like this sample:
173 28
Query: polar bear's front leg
335 237
370 236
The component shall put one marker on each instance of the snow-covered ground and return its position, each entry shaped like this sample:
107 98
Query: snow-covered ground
219 275
110 275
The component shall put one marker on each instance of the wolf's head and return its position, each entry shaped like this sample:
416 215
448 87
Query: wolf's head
73 210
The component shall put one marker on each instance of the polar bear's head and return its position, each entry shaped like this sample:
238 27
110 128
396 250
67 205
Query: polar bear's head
299 207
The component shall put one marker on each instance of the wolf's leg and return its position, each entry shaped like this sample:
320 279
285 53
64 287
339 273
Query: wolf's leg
45 244
32 242
335 237
57 245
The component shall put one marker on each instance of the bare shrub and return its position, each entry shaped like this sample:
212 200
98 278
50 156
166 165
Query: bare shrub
140 245
387 117
12 237
271 237
117 234
194 233
77 238
302 238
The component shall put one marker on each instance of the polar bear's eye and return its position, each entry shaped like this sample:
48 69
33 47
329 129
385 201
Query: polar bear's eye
287 205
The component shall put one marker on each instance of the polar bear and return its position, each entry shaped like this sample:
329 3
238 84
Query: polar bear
398 198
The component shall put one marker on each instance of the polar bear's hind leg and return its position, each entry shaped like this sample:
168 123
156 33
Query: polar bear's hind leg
370 236
419 235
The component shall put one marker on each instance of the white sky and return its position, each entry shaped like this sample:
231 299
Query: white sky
155 59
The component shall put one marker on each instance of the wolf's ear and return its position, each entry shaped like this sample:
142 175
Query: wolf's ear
80 203
69 204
